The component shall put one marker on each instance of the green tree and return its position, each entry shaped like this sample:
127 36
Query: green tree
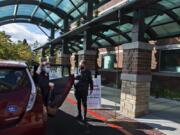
14 51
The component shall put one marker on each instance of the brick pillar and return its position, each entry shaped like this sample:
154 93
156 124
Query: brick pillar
90 57
136 78
64 59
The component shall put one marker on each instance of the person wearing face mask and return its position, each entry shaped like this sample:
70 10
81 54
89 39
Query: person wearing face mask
82 83
43 81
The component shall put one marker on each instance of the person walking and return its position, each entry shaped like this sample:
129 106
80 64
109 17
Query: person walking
82 83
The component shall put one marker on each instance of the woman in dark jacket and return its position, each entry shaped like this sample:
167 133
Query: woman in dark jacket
43 81
83 81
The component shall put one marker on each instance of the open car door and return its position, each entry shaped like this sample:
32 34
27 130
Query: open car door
62 79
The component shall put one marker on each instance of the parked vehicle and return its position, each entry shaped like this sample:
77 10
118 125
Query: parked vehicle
21 107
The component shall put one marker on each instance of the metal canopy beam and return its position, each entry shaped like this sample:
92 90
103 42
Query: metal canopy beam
94 41
125 9
50 18
76 44
38 21
112 15
98 44
77 8
163 9
111 41
65 41
71 47
43 5
52 50
120 33
95 7
71 11
15 11
110 27
79 5
56 5
138 29
88 34
89 13
34 11
43 31
77 38
129 19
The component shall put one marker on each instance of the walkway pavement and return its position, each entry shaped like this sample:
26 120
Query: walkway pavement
99 122
164 114
163 118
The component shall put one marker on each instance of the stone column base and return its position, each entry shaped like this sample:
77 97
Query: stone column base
134 98
64 59
90 57
136 78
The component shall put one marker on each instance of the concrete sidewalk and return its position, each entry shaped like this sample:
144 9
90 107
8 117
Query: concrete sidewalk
100 122
164 114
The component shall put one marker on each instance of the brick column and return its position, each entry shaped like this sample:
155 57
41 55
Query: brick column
136 78
90 57
64 59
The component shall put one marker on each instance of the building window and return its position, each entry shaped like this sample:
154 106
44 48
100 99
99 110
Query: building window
170 60
108 61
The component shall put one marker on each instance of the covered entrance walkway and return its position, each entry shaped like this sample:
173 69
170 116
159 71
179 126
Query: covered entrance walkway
136 25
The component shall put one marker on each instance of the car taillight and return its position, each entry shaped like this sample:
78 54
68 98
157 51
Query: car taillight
32 97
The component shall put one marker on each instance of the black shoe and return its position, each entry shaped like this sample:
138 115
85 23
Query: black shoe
79 117
85 119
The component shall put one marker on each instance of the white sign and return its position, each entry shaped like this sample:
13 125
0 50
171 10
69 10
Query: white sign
55 72
94 99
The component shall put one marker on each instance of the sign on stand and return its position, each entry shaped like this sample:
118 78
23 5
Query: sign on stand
94 99
55 72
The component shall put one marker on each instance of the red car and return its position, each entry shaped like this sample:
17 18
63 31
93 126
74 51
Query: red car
21 107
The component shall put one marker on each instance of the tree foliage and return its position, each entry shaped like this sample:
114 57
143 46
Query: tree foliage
14 51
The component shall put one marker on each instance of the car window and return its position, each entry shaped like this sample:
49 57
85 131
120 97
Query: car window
13 79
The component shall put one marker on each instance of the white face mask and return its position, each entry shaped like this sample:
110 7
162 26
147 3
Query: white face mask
47 70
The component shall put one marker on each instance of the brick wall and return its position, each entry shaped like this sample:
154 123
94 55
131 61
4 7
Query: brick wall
168 41
137 61
91 60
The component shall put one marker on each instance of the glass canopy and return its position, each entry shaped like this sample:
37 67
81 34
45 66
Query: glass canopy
47 13
162 20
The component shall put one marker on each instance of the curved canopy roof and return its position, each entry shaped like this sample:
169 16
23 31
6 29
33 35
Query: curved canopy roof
47 13
162 20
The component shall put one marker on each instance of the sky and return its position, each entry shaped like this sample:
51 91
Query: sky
30 32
